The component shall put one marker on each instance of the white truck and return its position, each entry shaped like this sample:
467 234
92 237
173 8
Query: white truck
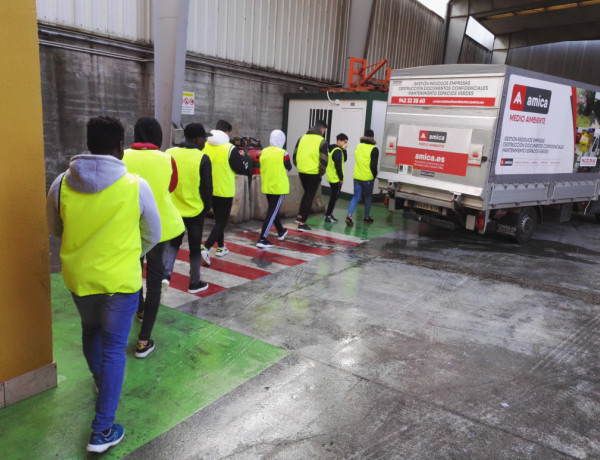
490 147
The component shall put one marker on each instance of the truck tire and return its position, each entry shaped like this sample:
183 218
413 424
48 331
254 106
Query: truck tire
525 225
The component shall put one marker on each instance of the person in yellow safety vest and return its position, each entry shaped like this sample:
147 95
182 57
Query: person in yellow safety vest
192 197
146 160
365 172
107 219
310 157
226 162
335 173
274 161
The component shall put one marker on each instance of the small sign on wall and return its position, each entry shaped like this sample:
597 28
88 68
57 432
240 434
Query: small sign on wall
187 103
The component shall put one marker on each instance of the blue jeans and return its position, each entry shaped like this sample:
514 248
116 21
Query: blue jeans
105 323
361 186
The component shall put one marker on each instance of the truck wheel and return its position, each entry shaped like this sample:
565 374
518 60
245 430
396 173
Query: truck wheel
525 225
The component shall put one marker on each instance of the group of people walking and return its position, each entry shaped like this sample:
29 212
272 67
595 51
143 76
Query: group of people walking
313 158
116 208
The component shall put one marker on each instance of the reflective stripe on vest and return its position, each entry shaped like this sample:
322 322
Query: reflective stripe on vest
155 167
222 174
332 175
101 243
273 176
186 196
362 169
307 155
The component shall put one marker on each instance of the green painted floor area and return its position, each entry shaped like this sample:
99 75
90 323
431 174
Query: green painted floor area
384 221
194 363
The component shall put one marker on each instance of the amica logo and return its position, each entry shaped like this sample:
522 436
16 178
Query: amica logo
432 136
530 99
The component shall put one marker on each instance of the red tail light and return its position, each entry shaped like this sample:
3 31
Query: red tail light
480 220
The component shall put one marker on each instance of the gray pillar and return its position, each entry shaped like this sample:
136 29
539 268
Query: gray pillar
458 16
358 31
500 51
169 23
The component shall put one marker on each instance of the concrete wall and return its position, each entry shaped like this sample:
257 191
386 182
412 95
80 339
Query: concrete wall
26 366
85 75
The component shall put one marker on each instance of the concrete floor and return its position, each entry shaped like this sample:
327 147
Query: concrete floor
422 343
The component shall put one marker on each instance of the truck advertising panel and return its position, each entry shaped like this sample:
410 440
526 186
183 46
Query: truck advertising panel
547 128
450 92
433 149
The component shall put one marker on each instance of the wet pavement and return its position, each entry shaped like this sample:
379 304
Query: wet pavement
420 343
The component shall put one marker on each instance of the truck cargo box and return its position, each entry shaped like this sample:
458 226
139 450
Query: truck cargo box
490 147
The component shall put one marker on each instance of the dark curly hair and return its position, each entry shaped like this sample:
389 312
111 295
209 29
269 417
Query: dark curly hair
104 134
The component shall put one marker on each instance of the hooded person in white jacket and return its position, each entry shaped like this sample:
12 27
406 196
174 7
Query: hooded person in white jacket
226 162
107 219
274 164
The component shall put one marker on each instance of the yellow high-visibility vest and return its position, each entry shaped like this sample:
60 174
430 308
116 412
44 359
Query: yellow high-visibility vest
155 166
222 174
186 196
362 169
308 155
331 172
273 176
101 243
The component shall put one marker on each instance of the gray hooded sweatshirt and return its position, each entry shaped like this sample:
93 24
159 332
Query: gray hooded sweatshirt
89 173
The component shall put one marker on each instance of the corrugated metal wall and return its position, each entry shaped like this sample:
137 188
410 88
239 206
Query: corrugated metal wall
129 19
406 33
300 37
574 60
474 53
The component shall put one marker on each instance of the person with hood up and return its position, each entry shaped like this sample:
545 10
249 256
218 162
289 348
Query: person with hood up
107 219
365 172
310 157
274 161
192 197
146 160
226 162
335 173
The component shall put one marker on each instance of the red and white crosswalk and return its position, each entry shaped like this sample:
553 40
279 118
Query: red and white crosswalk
245 262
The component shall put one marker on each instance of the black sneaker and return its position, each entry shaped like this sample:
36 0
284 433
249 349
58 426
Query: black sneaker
304 228
281 236
199 287
264 243
141 350
368 219
349 222
100 442
331 219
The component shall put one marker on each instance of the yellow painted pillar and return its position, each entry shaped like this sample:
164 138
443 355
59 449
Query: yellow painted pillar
26 366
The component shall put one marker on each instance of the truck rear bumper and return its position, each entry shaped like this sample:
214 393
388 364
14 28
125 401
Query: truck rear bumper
430 220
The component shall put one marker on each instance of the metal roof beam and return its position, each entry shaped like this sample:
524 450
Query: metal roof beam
533 22
591 31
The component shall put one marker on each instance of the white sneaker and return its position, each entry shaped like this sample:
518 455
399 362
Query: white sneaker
164 285
205 255
222 252
282 235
